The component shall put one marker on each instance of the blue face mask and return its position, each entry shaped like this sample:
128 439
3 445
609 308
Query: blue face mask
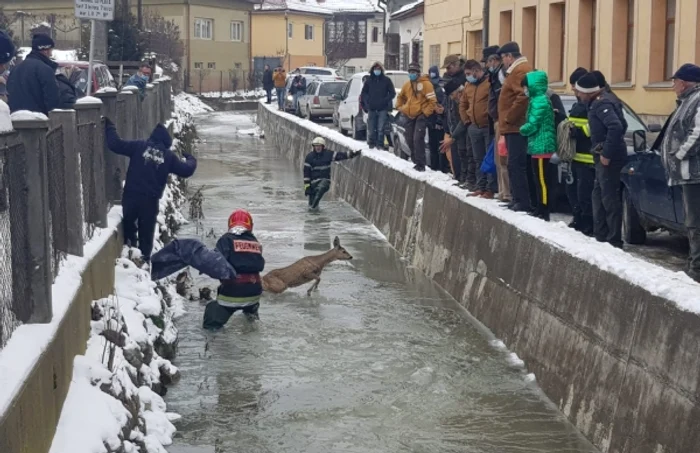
471 79
433 75
412 76
377 72
492 70
144 78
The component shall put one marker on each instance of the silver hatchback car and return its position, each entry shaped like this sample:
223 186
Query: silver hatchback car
319 101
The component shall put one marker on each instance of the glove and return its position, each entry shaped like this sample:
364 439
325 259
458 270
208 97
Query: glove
307 190
108 122
354 154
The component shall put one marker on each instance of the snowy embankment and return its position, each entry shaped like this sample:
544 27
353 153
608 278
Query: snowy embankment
240 95
674 286
115 400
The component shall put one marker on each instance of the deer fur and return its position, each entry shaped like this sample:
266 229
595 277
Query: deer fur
303 271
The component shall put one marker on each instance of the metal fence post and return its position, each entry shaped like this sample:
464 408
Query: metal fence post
91 112
35 226
113 170
66 120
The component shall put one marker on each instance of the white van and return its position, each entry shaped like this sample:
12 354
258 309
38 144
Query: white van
348 115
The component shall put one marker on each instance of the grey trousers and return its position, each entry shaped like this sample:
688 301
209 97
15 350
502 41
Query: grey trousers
481 139
691 206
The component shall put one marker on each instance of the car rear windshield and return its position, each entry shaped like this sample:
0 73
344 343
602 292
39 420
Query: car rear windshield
329 89
318 71
398 80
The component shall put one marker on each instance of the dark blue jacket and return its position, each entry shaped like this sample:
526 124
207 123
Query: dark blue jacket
608 126
140 83
378 92
150 161
268 84
181 253
32 85
68 94
317 165
301 89
244 253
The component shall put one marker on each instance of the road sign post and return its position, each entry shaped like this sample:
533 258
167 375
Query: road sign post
93 10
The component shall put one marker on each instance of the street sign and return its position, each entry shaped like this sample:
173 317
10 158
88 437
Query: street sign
94 9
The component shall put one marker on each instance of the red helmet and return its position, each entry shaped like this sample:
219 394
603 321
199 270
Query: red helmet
241 217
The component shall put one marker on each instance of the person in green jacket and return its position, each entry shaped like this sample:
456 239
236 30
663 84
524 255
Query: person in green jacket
541 134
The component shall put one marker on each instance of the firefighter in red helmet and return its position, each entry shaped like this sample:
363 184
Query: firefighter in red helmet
243 251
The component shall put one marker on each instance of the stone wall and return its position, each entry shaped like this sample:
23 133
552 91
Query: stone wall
622 364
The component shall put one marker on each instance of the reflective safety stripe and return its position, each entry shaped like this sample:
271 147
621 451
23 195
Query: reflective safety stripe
228 301
581 123
584 158
324 167
542 183
333 159
307 180
306 164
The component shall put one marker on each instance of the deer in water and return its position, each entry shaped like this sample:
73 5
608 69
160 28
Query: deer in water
303 271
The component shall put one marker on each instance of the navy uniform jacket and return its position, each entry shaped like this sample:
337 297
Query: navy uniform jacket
244 253
32 85
317 165
608 126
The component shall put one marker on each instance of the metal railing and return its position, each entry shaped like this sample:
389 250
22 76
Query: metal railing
57 183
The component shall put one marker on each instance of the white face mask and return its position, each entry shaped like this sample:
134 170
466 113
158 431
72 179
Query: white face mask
501 76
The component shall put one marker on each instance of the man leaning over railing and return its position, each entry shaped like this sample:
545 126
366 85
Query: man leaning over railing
150 163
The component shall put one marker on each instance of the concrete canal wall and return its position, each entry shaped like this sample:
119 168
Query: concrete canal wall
614 341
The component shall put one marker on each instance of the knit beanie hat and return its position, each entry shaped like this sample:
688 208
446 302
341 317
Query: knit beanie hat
588 84
600 78
7 49
577 74
414 67
41 41
688 73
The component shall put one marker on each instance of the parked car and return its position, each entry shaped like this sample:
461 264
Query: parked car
398 140
319 100
288 102
349 116
320 72
101 77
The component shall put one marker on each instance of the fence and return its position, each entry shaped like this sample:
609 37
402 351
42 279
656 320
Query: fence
57 183
206 80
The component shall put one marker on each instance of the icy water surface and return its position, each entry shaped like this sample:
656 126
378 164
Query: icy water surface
377 360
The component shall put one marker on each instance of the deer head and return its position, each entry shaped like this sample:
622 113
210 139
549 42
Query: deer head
339 252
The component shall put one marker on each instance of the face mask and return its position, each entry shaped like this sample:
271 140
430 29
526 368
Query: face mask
412 76
377 72
433 75
527 92
471 79
492 70
501 77
144 78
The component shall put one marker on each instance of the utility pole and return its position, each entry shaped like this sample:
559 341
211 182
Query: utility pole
139 13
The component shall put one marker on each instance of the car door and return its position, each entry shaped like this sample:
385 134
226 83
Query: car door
306 98
650 189
678 204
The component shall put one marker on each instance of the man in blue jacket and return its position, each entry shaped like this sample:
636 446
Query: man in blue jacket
317 170
32 84
377 95
607 128
150 163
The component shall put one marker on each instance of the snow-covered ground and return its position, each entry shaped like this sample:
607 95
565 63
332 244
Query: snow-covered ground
247 94
674 286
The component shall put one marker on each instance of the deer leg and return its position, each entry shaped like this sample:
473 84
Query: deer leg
314 286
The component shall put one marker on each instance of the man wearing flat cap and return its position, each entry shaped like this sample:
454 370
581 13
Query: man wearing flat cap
680 152
32 84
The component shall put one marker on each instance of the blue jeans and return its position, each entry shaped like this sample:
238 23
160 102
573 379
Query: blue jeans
297 95
281 94
375 127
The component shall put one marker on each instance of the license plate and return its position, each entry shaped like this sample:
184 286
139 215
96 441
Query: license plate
332 101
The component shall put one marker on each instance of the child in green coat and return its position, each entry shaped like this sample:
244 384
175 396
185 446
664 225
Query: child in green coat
541 136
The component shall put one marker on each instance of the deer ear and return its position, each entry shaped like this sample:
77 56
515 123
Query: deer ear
336 242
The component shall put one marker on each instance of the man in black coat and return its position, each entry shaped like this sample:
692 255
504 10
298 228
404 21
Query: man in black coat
32 84
268 84
607 128
454 79
377 95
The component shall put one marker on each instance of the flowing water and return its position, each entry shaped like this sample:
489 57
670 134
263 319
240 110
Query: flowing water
379 359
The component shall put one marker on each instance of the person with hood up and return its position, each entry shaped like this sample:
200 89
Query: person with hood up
7 53
436 131
541 133
32 83
150 163
607 127
68 93
242 250
377 95
297 90
317 170
680 153
268 83
417 101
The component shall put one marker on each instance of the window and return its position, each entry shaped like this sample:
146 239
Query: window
204 28
594 37
669 39
198 65
404 57
630 40
506 27
290 30
557 28
434 54
309 32
586 34
211 65
349 70
237 31
375 34
530 34
475 44
623 33
331 88
314 71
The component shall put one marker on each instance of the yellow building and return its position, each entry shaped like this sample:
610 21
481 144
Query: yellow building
288 32
215 34
637 44
452 27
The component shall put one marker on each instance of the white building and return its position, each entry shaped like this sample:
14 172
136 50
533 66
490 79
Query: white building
407 23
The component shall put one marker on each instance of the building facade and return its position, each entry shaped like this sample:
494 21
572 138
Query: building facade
407 24
637 44
452 27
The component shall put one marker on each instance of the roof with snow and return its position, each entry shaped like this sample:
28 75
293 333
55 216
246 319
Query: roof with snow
324 7
405 10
